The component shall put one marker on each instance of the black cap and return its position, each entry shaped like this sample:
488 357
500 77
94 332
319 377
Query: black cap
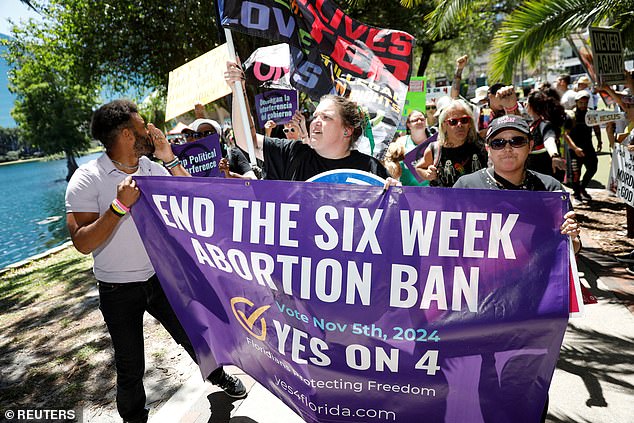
515 122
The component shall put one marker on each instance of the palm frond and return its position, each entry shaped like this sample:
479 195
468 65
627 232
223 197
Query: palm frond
448 13
526 31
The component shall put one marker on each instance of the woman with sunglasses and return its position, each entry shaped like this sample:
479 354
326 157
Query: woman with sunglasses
417 132
509 145
335 127
458 150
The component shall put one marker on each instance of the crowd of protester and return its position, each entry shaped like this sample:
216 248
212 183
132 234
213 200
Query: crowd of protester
493 141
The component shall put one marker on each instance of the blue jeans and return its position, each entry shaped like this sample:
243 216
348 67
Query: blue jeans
123 307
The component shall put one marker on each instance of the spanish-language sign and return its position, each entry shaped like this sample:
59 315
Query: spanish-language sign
352 304
201 157
199 81
333 53
275 105
623 171
607 52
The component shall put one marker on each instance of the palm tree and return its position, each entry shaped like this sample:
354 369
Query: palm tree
536 23
28 3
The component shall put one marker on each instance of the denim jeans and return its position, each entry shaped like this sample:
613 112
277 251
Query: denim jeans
123 307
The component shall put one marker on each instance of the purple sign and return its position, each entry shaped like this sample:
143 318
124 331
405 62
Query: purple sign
416 154
202 157
275 105
350 304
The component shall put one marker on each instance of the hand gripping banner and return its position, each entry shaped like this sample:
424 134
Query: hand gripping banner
350 304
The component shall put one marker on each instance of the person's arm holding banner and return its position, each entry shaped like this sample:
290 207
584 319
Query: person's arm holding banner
234 73
571 228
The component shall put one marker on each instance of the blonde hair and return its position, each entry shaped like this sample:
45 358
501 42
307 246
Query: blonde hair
472 136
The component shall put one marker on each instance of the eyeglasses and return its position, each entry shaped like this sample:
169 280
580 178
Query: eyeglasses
431 107
454 121
515 142
418 119
287 130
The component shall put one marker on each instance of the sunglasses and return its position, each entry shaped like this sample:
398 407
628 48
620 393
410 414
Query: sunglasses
432 107
287 130
419 119
455 121
515 142
198 135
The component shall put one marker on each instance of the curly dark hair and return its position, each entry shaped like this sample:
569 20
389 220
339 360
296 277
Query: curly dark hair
548 108
109 119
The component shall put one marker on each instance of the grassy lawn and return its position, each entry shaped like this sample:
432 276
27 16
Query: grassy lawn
55 351
53 343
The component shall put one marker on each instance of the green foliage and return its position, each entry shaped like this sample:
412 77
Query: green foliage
52 106
136 42
10 139
528 29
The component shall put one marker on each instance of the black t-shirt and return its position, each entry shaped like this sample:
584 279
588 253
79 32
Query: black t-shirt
238 163
580 133
455 162
488 179
291 160
540 131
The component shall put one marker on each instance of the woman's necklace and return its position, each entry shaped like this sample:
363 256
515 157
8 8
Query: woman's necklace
124 165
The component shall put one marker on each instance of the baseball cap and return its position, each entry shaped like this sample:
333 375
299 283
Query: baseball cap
515 122
196 124
582 94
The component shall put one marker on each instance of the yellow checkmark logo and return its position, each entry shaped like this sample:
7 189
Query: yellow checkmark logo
250 323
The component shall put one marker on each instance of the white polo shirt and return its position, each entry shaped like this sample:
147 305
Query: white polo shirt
122 258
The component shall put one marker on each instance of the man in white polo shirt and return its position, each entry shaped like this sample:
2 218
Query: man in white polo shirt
98 198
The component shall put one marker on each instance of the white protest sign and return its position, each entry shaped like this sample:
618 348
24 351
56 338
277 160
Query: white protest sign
607 49
199 81
597 117
623 163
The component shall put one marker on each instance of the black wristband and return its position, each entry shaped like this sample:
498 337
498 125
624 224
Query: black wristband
112 209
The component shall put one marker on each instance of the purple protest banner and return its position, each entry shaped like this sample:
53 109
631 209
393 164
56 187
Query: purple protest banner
351 304
413 156
201 157
275 105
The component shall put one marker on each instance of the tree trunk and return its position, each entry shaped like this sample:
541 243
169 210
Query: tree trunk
71 164
428 49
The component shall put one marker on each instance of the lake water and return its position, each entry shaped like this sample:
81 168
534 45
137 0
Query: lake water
32 208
